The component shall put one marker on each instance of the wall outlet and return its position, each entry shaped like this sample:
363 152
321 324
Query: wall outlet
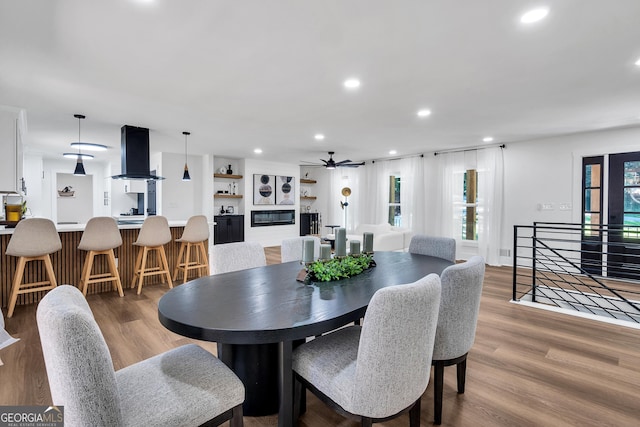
565 206
545 206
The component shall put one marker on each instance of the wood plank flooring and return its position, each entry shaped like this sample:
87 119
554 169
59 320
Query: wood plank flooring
528 367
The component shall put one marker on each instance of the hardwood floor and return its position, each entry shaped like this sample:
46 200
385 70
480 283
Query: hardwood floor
528 367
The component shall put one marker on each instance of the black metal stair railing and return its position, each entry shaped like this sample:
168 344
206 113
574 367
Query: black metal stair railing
585 268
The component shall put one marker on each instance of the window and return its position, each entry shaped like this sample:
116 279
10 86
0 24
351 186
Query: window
592 195
395 216
470 205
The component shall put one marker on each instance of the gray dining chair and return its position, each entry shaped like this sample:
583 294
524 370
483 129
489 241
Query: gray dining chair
441 247
459 307
237 256
376 371
186 386
291 249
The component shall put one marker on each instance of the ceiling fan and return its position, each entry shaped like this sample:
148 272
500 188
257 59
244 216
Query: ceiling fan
332 164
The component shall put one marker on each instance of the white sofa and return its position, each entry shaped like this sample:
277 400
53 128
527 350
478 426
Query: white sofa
385 236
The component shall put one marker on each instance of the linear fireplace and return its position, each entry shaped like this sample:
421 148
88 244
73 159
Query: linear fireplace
268 218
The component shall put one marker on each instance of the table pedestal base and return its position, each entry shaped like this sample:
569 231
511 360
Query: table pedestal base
255 365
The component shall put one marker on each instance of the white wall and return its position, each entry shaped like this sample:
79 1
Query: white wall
269 236
549 172
74 209
42 186
178 199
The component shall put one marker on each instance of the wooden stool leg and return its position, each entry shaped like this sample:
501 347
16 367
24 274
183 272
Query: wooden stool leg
165 266
17 280
50 273
86 272
143 266
138 267
205 259
187 260
111 257
175 271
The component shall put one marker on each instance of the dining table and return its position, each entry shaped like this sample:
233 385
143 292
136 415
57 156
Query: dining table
258 316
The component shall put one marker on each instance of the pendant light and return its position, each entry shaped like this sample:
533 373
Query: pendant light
79 165
185 175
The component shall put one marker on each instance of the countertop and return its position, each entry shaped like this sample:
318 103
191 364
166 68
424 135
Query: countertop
80 227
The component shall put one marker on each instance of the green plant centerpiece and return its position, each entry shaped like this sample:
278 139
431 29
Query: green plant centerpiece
338 268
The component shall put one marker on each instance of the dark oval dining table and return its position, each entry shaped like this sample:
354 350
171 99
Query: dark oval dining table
257 316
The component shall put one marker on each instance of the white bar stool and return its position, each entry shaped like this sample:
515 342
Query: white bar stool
154 234
33 240
195 233
100 237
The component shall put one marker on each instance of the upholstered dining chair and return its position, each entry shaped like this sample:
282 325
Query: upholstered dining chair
100 237
34 239
195 234
291 249
441 247
459 307
186 386
237 256
376 371
154 234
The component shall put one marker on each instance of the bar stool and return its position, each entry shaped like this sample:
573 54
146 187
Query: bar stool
154 234
100 237
33 240
195 233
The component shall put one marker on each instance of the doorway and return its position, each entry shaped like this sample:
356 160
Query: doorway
623 257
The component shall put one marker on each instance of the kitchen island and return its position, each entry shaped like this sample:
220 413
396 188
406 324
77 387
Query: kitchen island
68 262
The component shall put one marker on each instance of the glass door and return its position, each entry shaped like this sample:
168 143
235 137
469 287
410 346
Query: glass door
591 246
624 215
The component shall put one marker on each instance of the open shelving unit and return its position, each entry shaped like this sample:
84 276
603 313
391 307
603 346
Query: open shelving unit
226 195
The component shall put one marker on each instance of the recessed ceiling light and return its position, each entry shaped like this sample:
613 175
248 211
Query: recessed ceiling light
76 155
638 62
89 146
534 15
318 137
487 139
257 150
352 83
392 152
424 113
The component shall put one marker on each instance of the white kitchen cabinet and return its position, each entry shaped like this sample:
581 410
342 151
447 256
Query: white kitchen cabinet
135 186
11 129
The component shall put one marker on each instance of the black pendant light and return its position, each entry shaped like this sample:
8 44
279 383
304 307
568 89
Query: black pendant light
185 175
79 165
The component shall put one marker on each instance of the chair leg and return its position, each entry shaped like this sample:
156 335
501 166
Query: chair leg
366 422
438 384
113 268
51 275
204 259
165 266
236 417
86 272
17 280
138 267
462 374
414 414
187 259
180 252
143 265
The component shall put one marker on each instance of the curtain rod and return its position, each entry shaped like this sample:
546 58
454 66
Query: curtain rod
468 149
399 158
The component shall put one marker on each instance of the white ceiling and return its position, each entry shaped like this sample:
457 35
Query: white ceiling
268 73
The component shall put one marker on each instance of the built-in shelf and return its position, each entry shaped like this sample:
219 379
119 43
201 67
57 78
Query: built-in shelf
307 181
308 197
226 176
227 196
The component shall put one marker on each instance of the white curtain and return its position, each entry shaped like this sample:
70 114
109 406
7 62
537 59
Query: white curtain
490 203
413 193
375 204
447 218
339 179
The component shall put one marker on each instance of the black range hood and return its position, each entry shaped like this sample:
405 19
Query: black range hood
134 157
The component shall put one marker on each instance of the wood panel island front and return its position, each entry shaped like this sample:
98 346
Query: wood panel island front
68 262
